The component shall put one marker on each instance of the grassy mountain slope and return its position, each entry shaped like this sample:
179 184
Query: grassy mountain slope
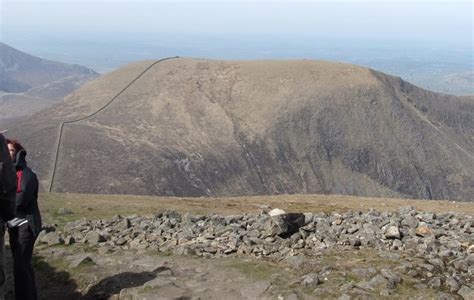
218 128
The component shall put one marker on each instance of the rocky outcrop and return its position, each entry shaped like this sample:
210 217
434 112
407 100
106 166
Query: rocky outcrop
436 249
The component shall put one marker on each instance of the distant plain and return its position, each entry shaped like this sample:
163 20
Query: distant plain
440 67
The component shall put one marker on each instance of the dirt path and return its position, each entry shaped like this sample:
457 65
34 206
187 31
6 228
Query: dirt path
147 275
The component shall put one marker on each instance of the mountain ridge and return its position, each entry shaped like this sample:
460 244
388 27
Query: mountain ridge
29 84
278 127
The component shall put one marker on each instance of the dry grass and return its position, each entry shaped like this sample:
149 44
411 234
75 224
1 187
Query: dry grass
99 206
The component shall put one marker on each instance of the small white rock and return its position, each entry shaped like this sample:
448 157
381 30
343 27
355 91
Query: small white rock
276 212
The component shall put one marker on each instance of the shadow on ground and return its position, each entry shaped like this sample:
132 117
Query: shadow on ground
114 284
51 283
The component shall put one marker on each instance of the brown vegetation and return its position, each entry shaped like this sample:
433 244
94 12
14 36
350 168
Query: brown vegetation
216 128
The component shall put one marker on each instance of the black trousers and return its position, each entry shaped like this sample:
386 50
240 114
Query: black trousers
22 241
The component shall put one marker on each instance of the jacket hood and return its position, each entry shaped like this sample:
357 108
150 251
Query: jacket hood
20 159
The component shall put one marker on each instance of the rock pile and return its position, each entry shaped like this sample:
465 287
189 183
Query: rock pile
442 245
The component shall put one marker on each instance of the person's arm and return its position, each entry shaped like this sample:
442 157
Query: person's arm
7 183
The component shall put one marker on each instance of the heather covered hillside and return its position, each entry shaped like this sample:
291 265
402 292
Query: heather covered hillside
189 127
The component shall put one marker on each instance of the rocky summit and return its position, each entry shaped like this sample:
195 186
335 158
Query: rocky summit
351 255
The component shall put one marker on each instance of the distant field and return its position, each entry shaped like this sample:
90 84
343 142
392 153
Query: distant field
100 206
435 66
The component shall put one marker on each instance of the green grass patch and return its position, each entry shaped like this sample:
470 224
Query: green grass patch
352 278
253 269
406 291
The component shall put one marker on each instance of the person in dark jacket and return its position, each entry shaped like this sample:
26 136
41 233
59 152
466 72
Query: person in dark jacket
7 202
24 234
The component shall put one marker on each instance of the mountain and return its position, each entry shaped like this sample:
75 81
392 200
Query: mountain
29 84
190 127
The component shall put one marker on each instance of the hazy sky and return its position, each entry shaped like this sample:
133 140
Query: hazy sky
439 21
